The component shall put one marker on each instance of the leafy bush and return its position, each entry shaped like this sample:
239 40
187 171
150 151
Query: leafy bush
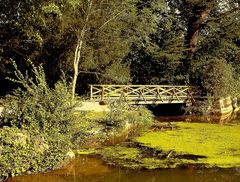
121 112
38 107
22 152
215 75
45 116
218 77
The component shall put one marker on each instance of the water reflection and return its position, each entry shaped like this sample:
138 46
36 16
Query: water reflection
89 169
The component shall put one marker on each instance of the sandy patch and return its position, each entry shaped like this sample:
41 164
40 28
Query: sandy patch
92 106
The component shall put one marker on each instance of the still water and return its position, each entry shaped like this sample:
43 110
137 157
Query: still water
90 169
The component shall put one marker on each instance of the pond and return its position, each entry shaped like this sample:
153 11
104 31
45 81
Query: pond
90 169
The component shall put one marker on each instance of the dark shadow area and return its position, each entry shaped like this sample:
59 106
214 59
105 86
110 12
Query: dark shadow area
167 109
6 86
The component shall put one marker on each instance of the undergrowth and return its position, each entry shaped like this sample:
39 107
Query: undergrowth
36 125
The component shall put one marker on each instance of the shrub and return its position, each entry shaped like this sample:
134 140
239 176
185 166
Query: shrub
22 152
218 77
45 115
121 112
38 107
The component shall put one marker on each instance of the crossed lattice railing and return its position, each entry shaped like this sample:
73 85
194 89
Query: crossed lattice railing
142 94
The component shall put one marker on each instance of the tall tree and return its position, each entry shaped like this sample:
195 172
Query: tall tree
212 31
20 25
197 16
104 32
100 32
157 59
101 37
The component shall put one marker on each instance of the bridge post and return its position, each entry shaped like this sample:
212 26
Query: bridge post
91 92
102 93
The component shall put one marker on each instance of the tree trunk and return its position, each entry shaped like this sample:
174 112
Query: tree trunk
78 49
77 57
194 28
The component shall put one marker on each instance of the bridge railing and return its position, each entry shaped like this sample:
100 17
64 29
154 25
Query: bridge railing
142 94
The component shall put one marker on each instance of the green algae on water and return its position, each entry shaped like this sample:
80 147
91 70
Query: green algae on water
191 144
130 157
213 145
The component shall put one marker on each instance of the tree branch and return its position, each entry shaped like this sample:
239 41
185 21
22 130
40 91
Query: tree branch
111 19
225 14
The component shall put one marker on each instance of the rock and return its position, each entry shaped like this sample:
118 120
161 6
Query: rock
70 155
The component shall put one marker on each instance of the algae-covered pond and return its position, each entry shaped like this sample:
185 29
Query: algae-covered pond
183 152
198 143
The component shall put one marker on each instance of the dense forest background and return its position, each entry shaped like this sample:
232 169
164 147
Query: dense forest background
180 42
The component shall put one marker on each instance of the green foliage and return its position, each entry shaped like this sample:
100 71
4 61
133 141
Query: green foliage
20 30
42 123
126 40
145 117
157 60
112 27
52 8
117 114
38 107
121 114
23 151
216 76
89 130
216 38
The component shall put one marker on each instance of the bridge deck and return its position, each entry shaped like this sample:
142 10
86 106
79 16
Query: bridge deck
142 94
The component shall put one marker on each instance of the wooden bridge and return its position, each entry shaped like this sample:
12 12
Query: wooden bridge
143 94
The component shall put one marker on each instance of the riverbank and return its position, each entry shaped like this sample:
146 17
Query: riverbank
28 151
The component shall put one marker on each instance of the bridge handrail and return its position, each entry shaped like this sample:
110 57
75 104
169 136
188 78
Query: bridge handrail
141 92
107 85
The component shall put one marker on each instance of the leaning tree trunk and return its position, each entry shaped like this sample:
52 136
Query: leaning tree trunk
194 27
77 57
78 49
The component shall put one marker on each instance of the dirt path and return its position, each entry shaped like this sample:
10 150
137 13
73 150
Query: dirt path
86 106
92 106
